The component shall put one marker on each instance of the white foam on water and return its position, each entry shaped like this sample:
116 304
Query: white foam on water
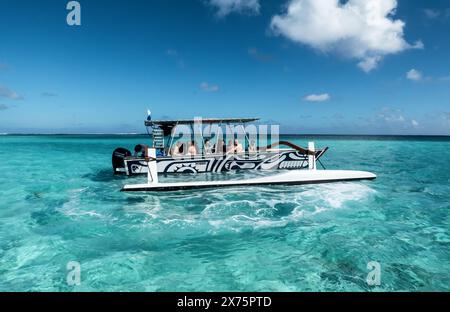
254 207
327 197
79 213
336 195
72 208
152 207
308 201
238 223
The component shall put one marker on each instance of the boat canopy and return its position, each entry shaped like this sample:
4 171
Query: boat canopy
172 123
168 125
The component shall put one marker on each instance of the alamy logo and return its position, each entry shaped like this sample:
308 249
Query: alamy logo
74 16
374 276
74 274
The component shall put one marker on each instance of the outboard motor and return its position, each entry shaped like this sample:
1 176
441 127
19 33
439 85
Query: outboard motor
118 157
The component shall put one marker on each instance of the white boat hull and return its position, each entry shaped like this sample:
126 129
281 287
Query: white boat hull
295 177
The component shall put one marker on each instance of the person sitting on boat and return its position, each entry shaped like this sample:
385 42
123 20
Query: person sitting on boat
140 151
238 147
207 147
176 149
252 147
231 147
192 149
219 147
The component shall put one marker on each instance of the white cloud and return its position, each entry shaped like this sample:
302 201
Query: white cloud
317 97
389 120
437 14
364 30
393 116
3 107
432 14
369 63
445 118
9 94
414 75
225 7
209 88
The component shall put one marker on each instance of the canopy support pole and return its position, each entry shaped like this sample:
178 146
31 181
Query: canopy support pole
152 175
312 156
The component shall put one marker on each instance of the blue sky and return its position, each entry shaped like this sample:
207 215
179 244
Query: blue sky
382 70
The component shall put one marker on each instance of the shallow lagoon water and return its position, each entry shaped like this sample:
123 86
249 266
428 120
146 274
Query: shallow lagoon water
59 202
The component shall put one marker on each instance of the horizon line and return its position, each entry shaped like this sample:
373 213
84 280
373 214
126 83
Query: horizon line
292 134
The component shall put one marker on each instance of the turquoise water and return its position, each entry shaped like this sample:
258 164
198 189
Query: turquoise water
59 202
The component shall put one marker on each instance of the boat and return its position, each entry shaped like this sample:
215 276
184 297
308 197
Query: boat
294 177
255 154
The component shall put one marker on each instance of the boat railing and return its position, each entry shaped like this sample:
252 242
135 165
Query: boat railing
293 146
